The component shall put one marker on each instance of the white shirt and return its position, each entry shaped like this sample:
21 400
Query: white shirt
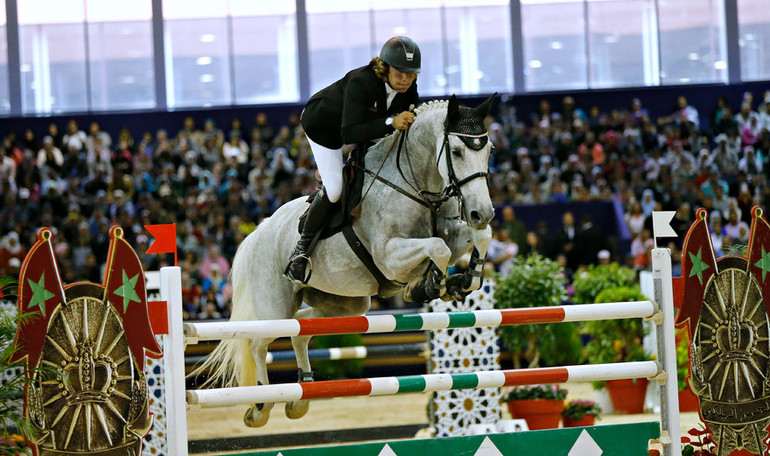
391 95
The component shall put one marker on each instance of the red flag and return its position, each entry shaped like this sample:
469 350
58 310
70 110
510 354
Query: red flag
126 291
758 252
699 265
165 239
40 291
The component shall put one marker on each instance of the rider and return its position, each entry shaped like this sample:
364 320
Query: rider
368 103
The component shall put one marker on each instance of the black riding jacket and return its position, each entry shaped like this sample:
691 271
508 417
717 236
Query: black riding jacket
353 109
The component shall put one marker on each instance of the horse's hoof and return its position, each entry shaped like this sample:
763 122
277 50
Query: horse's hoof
297 409
256 416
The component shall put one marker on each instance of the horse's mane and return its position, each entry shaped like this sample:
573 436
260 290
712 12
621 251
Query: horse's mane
432 105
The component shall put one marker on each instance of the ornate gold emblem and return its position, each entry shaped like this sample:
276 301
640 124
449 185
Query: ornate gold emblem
729 358
99 407
726 314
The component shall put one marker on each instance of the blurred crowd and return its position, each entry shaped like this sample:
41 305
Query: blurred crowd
217 182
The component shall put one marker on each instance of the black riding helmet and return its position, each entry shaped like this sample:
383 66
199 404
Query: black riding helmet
401 53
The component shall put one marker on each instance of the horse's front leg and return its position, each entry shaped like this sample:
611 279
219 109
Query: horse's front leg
460 285
401 258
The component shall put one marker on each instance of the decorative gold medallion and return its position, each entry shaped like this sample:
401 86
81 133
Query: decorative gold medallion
85 346
726 313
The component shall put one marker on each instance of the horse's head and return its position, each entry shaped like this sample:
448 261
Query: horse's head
464 165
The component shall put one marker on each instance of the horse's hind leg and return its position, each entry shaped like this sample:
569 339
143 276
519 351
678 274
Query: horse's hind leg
325 305
258 414
298 409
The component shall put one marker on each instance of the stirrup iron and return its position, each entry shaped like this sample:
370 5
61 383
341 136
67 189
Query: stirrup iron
307 269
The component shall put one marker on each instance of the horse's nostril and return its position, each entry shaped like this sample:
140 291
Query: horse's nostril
475 216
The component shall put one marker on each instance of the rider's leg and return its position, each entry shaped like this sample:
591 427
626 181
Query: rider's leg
329 162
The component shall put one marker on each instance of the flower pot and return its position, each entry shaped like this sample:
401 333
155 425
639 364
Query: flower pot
627 395
688 401
539 413
587 420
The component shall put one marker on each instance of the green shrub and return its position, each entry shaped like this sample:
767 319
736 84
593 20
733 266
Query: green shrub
338 368
535 281
616 340
596 278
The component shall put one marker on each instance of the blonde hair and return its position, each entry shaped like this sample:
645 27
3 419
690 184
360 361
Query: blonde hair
380 68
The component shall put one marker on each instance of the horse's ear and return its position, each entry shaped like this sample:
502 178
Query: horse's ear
486 106
453 108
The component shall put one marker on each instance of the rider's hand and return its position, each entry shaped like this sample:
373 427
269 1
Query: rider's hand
403 120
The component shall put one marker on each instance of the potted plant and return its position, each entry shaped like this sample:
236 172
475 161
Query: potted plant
13 426
700 445
536 281
539 405
580 413
619 341
688 401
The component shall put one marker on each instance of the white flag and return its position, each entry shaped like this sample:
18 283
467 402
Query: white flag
661 224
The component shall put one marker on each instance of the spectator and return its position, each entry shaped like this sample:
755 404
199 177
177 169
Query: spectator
213 257
74 137
517 232
502 251
10 248
50 155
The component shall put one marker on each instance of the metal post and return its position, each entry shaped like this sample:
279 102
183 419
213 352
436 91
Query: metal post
173 360
669 399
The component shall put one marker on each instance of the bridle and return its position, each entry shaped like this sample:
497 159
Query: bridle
431 200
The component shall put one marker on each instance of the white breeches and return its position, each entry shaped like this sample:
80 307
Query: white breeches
329 162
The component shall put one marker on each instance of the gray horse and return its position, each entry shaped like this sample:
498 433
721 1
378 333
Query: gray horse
444 167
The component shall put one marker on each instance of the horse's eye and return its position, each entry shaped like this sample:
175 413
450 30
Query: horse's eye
457 152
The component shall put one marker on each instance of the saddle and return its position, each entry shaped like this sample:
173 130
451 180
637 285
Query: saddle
341 215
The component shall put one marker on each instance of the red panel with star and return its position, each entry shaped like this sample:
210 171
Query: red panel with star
40 291
125 289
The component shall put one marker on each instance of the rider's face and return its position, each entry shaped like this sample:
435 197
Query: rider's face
400 81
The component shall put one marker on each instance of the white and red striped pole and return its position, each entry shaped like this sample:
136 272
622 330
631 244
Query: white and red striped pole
286 392
195 332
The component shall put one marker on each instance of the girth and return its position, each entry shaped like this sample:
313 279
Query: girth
386 287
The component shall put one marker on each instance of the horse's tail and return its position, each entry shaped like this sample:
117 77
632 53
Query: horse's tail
231 362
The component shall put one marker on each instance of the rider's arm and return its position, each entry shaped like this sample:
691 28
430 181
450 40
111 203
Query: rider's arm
360 97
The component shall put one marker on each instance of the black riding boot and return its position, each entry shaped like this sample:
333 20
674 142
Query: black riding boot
297 270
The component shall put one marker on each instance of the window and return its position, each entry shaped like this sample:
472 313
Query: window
197 53
420 20
264 52
53 56
622 45
692 41
465 45
554 44
754 39
339 39
120 55
479 55
5 92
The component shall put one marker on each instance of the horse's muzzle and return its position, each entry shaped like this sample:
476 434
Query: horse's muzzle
479 219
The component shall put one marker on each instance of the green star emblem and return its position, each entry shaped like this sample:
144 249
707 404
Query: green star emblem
764 263
698 266
39 294
127 290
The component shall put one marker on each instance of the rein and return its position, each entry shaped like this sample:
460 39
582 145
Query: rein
431 200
